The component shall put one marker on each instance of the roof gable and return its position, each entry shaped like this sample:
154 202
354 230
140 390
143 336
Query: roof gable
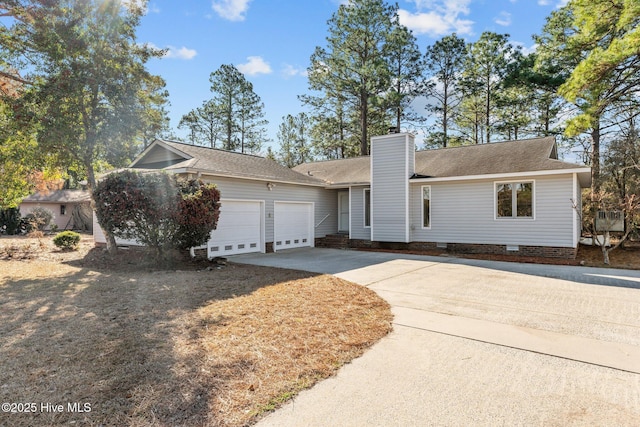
177 156
159 155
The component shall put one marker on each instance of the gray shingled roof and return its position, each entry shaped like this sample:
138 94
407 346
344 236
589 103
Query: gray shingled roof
354 170
529 155
59 196
227 163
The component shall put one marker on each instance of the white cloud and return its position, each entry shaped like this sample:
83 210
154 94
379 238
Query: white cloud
433 24
176 53
559 3
504 19
290 71
254 65
438 17
233 10
180 53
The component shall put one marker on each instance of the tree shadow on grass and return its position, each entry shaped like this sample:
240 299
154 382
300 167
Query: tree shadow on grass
107 338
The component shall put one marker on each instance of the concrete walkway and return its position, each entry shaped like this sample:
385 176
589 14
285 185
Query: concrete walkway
482 343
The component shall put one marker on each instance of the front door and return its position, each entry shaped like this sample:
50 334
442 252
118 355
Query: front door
343 212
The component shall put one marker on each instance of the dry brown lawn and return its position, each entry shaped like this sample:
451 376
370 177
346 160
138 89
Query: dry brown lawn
145 346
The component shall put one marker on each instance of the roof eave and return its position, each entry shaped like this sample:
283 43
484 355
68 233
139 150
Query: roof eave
200 172
339 185
584 176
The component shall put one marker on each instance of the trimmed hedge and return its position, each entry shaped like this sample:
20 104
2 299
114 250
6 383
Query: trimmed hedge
68 240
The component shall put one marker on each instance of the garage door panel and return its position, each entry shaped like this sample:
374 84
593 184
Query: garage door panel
293 225
239 229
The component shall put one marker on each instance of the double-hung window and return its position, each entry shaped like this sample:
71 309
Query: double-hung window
514 199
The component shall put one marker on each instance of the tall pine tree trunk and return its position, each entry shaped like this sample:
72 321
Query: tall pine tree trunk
364 113
488 110
595 157
445 115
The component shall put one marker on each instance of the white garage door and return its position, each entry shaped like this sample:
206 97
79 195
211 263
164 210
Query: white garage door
293 225
239 229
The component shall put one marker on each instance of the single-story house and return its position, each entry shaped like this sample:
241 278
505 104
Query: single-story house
71 208
507 197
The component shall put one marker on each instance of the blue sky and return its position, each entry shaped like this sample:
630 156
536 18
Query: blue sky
271 41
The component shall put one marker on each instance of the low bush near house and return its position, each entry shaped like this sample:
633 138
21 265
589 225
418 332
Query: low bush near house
39 219
68 240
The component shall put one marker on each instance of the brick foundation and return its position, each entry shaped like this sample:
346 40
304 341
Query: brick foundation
462 248
535 251
335 241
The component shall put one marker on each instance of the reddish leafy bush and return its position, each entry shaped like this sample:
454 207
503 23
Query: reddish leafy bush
199 208
157 209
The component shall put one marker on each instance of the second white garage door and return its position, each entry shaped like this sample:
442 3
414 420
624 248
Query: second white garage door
239 229
293 225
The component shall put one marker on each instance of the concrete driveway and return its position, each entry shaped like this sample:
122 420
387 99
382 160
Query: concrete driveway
479 343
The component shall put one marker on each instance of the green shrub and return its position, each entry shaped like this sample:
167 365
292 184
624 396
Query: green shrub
68 240
9 221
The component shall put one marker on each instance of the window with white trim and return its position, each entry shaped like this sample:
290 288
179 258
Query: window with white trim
367 207
514 199
426 206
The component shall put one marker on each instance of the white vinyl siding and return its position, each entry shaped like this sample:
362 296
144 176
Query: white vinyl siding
391 166
464 212
160 156
99 237
358 228
325 201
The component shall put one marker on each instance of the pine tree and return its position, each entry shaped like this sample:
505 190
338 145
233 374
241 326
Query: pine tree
354 63
444 62
251 122
406 66
294 139
234 116
204 124
485 68
88 94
